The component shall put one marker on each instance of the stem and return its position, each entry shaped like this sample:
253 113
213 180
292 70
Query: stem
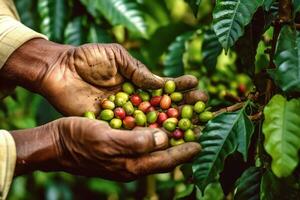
285 11
232 108
151 188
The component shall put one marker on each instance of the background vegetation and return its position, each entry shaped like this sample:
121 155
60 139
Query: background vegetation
243 53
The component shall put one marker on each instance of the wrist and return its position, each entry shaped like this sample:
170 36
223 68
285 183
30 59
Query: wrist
29 64
36 150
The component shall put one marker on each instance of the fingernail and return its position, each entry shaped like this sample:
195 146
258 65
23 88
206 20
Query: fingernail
160 139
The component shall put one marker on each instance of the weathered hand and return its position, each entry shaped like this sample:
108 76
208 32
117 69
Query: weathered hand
91 148
74 79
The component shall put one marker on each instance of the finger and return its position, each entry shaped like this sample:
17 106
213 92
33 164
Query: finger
164 161
184 82
139 141
191 97
136 71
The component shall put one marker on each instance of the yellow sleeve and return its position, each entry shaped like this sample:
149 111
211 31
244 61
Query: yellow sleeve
12 35
7 162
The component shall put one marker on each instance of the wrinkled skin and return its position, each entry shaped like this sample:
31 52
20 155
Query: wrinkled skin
74 79
91 148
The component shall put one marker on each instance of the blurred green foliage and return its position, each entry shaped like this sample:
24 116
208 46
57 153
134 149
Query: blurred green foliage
168 38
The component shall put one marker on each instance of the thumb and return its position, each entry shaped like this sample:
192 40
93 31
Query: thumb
140 141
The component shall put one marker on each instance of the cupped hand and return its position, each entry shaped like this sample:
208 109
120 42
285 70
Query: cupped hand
75 79
91 148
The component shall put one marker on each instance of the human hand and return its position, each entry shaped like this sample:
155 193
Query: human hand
91 148
75 79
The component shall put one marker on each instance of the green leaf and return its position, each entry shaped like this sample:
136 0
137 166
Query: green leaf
27 14
53 17
287 60
74 33
248 185
98 35
174 59
230 17
119 12
281 128
267 4
194 4
211 49
222 136
296 6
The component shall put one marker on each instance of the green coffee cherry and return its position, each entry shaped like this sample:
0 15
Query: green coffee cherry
107 104
115 123
184 124
128 87
140 119
169 125
206 116
187 111
89 115
128 107
174 142
112 98
157 92
137 112
122 95
199 107
121 98
176 96
144 95
170 87
106 115
189 136
151 117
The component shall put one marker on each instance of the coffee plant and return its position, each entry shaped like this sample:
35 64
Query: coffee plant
246 55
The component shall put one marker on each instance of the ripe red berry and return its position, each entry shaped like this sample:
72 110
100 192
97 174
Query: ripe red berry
129 122
155 101
172 112
242 88
162 117
144 106
120 113
135 99
165 102
178 134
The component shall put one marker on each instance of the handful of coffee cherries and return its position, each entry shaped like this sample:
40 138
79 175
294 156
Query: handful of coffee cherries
160 108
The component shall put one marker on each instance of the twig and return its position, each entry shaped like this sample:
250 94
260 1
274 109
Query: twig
256 116
232 108
232 98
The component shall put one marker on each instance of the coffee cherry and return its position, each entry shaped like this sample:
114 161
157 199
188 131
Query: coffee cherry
169 124
176 96
206 116
165 102
120 113
112 98
174 120
162 117
199 107
140 119
170 87
157 92
174 142
187 111
151 117
151 108
129 122
128 88
107 104
189 136
106 115
184 124
144 106
128 107
115 123
89 115
155 101
121 98
172 112
136 112
154 125
144 95
177 134
135 99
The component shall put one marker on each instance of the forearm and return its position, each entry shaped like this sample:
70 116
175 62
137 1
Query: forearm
28 64
36 150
